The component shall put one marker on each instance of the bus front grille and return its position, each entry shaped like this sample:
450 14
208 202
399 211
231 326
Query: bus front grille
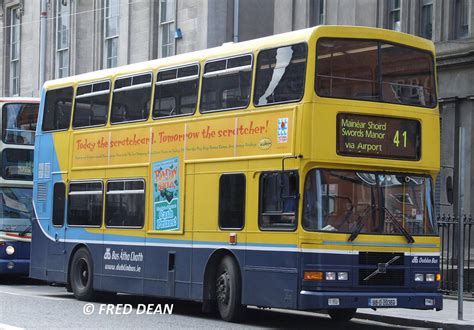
392 277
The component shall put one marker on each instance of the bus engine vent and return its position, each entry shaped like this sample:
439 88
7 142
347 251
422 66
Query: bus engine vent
42 192
375 258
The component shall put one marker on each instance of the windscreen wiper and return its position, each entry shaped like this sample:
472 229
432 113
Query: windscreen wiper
360 223
24 232
399 226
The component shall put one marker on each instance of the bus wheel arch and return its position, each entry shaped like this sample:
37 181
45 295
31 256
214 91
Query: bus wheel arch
68 274
223 270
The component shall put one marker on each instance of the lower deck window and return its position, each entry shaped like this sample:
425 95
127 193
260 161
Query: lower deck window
232 201
278 200
59 194
17 164
85 204
125 203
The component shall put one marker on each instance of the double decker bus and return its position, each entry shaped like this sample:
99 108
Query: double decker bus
18 126
294 171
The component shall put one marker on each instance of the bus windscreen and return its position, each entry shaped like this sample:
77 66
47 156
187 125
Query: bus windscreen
15 209
368 202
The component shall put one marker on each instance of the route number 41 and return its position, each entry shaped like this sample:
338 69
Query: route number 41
396 138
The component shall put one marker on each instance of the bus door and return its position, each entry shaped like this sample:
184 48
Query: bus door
56 246
271 261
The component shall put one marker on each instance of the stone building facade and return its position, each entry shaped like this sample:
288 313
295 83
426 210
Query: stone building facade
87 35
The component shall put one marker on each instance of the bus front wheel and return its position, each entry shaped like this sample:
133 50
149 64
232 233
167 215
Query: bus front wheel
228 290
82 275
343 314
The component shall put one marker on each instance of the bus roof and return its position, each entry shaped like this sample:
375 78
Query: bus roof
230 48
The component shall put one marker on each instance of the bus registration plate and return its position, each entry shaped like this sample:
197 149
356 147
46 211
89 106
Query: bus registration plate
383 302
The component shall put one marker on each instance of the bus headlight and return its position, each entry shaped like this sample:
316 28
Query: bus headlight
10 250
430 277
419 278
342 276
330 276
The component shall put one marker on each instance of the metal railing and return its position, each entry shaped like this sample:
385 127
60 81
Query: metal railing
448 231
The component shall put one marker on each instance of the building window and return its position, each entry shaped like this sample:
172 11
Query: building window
394 11
316 12
426 28
167 20
111 32
461 13
62 38
14 46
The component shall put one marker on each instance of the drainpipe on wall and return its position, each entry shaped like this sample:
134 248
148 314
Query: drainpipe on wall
236 21
42 54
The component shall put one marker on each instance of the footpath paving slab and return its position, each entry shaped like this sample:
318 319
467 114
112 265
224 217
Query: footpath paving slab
446 318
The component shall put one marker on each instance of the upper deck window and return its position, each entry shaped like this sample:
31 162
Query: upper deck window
375 71
57 109
176 91
91 106
131 98
19 123
226 84
280 75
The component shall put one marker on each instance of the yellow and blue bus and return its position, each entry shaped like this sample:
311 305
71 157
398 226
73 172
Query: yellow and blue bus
18 126
294 171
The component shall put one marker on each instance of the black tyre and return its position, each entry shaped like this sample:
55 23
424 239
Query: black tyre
229 290
343 314
82 275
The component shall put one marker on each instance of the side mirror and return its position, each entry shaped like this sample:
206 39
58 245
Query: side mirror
449 189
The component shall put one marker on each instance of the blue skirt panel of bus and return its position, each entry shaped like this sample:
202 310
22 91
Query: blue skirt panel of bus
272 277
19 262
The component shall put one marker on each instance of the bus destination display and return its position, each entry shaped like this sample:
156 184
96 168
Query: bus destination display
379 137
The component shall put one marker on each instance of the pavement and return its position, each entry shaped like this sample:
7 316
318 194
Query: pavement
445 319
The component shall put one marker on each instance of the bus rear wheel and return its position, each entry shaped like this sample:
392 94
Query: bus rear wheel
342 314
229 290
82 275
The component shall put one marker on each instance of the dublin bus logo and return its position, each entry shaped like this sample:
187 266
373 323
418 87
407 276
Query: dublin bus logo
107 255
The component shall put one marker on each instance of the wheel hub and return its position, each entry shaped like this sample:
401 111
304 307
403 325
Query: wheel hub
223 288
84 273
